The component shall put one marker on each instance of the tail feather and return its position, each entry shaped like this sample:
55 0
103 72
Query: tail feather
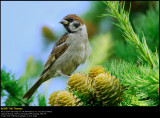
32 90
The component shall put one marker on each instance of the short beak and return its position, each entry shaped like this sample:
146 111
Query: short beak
64 22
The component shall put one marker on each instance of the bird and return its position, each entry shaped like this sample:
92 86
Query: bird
70 50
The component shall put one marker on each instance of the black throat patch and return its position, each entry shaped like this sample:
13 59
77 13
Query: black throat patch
67 28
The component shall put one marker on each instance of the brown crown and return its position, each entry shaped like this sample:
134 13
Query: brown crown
75 17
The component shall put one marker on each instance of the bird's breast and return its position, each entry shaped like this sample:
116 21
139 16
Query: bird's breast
78 47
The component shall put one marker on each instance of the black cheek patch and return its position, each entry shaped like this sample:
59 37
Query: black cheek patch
76 24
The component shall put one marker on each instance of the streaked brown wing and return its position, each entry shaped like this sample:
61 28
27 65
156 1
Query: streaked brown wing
59 48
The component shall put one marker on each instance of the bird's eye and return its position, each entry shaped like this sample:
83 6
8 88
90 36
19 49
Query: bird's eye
70 19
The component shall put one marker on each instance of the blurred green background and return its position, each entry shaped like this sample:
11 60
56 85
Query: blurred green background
30 29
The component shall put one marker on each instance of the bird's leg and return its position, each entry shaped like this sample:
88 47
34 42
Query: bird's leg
60 72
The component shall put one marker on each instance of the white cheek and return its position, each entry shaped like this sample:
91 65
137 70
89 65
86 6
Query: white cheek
71 27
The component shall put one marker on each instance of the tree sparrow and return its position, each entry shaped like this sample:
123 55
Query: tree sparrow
71 50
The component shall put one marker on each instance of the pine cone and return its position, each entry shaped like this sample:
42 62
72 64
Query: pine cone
96 71
65 98
107 89
52 98
81 83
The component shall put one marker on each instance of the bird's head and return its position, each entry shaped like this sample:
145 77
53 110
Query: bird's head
72 23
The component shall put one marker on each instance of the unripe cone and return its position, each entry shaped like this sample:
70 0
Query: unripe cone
96 71
52 98
65 98
107 89
80 83
48 33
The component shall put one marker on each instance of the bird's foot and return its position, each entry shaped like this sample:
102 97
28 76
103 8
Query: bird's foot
60 72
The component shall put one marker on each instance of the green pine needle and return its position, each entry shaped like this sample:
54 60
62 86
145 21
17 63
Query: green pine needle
116 10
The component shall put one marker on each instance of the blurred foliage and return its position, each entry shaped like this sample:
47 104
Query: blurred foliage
149 24
33 70
95 10
101 50
138 6
92 17
125 51
48 35
91 28
12 89
41 100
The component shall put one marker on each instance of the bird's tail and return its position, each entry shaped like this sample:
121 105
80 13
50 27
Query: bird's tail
31 91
